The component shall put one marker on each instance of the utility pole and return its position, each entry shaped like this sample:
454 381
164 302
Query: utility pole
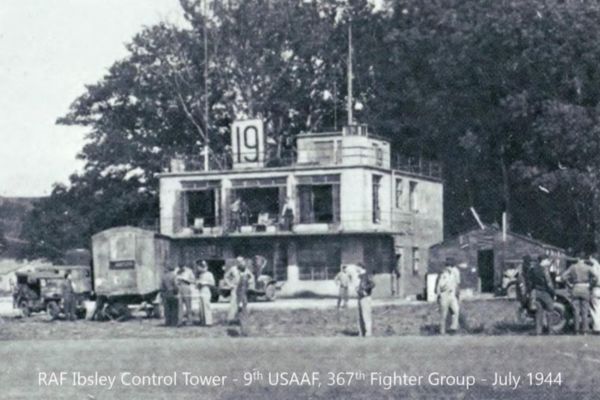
206 135
350 118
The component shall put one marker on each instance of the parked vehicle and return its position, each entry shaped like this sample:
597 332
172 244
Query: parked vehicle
42 291
128 267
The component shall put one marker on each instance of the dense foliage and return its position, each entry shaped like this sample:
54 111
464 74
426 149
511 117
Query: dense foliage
504 93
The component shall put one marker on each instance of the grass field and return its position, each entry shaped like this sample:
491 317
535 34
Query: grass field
496 317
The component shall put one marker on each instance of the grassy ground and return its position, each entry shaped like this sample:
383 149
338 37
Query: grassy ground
487 317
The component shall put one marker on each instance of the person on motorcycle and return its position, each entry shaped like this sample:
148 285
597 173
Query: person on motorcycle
542 292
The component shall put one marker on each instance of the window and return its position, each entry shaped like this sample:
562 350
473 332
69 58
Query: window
378 155
319 203
255 202
201 208
319 260
412 197
399 191
416 259
376 196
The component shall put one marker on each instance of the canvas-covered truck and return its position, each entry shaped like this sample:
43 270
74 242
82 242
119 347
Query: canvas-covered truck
128 266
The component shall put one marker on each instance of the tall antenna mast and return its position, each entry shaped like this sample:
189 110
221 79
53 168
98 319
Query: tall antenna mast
350 118
206 136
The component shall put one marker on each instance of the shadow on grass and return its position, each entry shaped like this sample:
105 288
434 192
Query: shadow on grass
506 327
349 332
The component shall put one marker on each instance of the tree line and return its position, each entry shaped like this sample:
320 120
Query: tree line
503 93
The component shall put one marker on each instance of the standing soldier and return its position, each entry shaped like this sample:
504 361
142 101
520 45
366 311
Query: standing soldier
287 214
446 289
595 296
205 282
542 292
365 287
232 279
169 293
68 297
578 277
245 282
185 277
342 279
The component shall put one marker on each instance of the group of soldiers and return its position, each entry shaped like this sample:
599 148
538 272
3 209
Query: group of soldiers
582 278
178 286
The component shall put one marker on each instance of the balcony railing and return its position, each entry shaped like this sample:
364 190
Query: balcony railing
347 155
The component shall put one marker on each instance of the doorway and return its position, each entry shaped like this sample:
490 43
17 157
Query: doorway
485 266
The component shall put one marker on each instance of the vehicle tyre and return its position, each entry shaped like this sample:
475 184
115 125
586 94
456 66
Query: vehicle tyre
53 310
270 292
24 307
511 291
117 311
557 318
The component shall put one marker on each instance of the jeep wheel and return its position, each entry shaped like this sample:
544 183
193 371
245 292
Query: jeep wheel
53 309
270 292
24 307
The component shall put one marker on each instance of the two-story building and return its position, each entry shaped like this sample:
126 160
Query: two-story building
351 201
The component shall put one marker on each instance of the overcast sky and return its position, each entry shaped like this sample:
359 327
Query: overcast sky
48 51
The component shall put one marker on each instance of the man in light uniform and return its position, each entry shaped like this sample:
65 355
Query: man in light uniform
184 278
205 283
446 289
342 279
578 277
365 287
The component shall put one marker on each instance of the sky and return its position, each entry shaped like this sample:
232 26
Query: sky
49 50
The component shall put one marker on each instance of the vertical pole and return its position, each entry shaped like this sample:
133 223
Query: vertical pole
334 105
206 136
350 117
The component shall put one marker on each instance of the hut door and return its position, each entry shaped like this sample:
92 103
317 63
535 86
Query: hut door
485 265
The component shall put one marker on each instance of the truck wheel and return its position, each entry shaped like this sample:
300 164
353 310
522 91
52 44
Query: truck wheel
117 312
557 318
53 310
24 307
511 291
270 292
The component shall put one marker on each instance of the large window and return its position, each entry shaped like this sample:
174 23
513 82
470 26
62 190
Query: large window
319 199
413 204
259 202
319 260
399 193
201 208
376 199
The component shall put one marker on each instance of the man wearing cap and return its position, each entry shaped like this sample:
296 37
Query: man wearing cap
169 292
595 295
184 278
365 287
205 282
446 290
578 277
542 291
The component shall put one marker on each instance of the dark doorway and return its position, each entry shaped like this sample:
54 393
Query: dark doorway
485 265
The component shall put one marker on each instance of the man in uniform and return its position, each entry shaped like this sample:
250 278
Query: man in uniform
245 281
542 292
68 297
578 277
169 293
205 282
342 279
446 289
595 295
365 287
184 279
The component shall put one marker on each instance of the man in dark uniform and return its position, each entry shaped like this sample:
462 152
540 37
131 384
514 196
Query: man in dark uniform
542 292
68 297
169 292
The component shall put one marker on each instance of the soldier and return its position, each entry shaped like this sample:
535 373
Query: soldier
365 287
169 293
542 292
446 289
184 278
245 282
205 282
578 277
342 279
287 214
595 296
68 297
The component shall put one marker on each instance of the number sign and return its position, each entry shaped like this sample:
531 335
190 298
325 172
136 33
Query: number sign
247 142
